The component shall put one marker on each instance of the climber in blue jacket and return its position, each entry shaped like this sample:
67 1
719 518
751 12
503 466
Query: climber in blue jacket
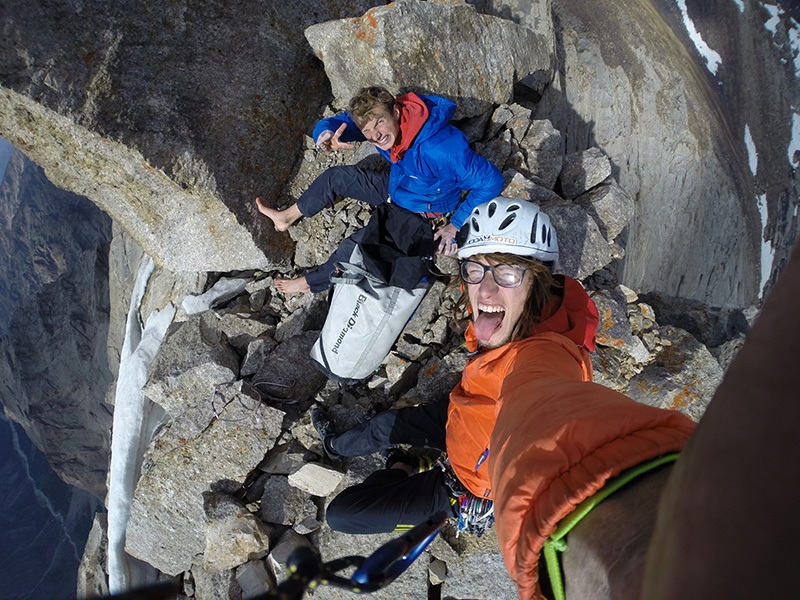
432 170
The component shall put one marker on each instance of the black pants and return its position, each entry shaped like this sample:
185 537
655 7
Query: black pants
390 499
348 181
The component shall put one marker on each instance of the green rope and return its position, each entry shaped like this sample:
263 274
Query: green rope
556 542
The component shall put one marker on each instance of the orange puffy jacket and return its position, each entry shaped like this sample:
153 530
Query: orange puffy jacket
473 403
555 437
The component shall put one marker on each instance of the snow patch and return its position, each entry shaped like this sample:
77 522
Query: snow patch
752 154
225 289
135 420
794 42
767 249
740 5
772 23
794 144
792 32
713 59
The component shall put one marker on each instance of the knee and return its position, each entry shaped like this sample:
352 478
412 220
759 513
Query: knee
340 515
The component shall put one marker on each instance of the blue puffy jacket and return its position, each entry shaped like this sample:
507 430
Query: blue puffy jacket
439 165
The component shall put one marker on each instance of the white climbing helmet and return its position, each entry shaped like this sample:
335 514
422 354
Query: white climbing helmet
509 225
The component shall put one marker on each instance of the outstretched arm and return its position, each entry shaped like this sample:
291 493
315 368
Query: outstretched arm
728 525
336 132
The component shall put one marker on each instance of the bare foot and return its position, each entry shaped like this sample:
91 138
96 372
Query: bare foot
292 286
282 219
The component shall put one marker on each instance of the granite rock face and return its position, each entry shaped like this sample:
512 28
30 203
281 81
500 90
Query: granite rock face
698 149
172 120
245 441
173 126
54 312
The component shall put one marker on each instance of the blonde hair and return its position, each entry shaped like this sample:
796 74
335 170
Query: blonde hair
370 103
539 295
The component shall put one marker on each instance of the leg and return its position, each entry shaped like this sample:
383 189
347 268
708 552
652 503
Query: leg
727 524
347 181
319 279
389 499
368 186
421 426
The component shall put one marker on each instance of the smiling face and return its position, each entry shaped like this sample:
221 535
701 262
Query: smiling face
383 130
495 309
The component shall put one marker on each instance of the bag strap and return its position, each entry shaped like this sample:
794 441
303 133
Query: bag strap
351 274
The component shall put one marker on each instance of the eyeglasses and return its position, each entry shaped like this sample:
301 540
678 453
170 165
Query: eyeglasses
507 276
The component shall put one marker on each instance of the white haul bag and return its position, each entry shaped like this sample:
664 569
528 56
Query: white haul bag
365 318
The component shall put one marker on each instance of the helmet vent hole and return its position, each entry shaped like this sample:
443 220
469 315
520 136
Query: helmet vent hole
475 224
544 234
492 208
507 221
533 228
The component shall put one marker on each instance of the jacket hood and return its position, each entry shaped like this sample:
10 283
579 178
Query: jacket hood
572 314
440 111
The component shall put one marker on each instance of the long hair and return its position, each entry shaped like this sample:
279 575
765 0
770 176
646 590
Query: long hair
539 295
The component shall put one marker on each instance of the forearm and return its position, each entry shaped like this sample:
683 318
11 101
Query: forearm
727 523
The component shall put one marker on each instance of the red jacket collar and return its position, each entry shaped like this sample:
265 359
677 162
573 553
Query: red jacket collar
413 114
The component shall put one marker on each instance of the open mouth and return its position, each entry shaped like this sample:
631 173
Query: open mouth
488 321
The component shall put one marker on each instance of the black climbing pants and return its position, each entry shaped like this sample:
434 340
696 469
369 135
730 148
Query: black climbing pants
346 181
390 499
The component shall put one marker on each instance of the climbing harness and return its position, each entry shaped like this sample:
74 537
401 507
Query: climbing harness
475 515
557 543
437 219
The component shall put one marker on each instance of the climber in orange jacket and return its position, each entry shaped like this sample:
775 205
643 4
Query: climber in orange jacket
555 438
579 471
526 429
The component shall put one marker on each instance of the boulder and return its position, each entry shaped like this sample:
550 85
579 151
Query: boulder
582 248
315 479
233 534
683 376
434 48
581 171
190 374
614 329
610 206
167 521
544 147
285 504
